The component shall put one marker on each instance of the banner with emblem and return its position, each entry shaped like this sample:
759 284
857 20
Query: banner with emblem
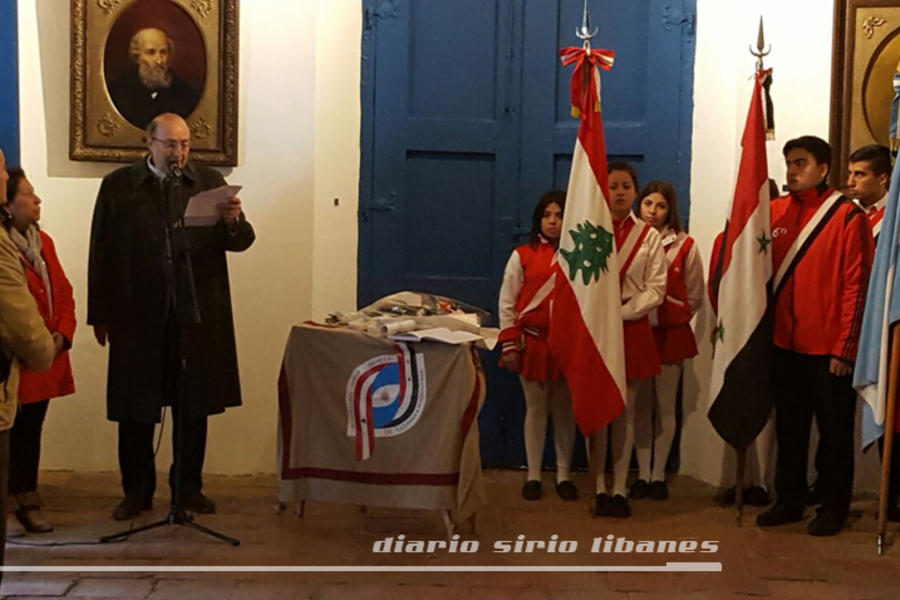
366 421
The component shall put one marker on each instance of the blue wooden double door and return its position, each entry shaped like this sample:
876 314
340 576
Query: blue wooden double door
466 122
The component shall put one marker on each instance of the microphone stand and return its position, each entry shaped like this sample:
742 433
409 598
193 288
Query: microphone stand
177 514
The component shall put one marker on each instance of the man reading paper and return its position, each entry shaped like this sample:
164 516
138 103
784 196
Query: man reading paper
164 346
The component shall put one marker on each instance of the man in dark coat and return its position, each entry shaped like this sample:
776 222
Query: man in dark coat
152 88
164 350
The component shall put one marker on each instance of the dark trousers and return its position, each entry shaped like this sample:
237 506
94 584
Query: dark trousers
136 457
803 388
25 447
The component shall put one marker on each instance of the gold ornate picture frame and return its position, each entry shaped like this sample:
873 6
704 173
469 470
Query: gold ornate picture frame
865 56
131 59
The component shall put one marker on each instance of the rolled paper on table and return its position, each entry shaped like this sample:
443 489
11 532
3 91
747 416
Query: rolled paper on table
397 327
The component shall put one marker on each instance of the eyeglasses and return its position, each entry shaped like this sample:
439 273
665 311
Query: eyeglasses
173 145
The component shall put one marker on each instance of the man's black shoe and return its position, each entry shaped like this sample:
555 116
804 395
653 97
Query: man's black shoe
659 490
779 515
618 507
826 523
198 503
130 507
567 490
601 505
757 496
639 489
531 490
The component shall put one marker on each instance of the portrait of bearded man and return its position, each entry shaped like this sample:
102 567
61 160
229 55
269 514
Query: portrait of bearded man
152 87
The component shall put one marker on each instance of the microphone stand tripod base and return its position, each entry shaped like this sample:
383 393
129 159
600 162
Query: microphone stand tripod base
176 516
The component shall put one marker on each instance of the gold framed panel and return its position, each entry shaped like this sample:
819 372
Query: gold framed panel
203 39
865 56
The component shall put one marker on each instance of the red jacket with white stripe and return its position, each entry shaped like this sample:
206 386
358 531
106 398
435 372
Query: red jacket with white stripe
820 306
526 271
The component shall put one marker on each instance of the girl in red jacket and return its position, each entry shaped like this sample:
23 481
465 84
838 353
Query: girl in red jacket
53 294
524 336
642 273
674 338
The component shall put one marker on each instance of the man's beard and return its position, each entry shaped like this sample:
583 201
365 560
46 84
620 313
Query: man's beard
155 78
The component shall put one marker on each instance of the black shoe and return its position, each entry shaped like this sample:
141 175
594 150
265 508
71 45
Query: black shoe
639 489
567 490
659 490
757 496
728 496
826 523
198 503
601 505
618 507
532 490
130 507
779 515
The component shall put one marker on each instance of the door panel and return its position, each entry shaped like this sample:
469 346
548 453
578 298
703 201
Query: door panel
466 122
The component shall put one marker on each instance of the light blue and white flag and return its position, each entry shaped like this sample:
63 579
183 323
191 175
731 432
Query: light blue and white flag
870 377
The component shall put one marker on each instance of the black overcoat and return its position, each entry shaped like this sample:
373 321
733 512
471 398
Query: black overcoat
136 283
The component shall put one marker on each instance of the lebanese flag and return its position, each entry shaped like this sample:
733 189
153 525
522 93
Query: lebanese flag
741 377
586 319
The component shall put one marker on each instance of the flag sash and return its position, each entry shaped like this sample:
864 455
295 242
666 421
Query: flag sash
805 239
631 245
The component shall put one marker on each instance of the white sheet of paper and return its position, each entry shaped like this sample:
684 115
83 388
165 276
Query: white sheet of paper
203 208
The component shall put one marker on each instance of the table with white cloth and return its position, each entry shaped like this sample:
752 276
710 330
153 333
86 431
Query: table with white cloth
364 420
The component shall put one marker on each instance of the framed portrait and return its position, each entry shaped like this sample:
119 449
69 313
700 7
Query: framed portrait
865 58
134 59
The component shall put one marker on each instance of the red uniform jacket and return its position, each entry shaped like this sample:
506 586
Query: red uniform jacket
673 334
529 331
56 381
820 306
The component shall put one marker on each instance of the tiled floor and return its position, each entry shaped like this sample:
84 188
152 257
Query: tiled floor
780 563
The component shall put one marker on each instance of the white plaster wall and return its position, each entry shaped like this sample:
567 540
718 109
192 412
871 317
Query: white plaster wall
299 149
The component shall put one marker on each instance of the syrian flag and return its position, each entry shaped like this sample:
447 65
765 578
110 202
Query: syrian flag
741 385
870 377
586 318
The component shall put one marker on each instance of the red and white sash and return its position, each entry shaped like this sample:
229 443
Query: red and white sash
805 239
875 218
631 245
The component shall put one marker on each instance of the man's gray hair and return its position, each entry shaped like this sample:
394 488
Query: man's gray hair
134 46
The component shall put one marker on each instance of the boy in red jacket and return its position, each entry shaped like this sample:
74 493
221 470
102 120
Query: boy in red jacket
822 255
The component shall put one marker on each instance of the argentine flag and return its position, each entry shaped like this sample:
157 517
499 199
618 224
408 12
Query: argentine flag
882 310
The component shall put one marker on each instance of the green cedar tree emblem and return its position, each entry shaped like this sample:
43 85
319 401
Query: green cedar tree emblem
593 245
720 332
763 243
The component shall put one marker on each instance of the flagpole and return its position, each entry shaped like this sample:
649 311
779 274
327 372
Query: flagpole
888 435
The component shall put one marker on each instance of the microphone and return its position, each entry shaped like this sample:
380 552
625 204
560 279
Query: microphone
176 172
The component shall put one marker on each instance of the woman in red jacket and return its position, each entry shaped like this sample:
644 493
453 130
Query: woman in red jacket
674 338
524 324
53 294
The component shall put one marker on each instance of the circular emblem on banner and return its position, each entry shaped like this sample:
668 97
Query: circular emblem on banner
385 397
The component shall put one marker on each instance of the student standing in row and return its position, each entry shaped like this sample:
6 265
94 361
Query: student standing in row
674 337
642 274
524 324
